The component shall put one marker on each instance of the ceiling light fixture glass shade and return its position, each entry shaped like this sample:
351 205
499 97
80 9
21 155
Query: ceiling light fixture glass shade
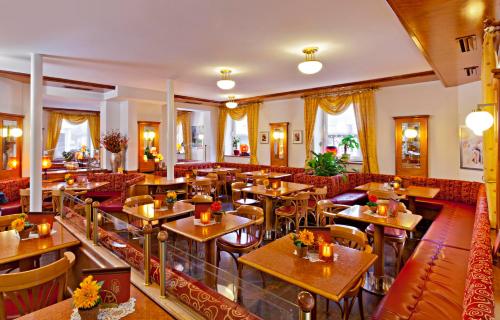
310 65
479 120
231 104
225 83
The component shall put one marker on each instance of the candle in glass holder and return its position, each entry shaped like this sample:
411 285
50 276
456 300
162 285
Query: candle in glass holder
326 251
188 176
275 185
382 210
157 203
205 217
43 230
263 171
396 185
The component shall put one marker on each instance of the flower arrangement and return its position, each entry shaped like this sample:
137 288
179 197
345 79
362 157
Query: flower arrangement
22 226
69 179
372 201
114 141
303 238
396 182
171 198
159 156
86 297
217 212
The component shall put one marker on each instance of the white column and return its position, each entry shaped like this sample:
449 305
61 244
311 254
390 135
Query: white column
169 119
36 94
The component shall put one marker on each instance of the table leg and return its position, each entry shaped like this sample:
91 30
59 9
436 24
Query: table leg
210 259
377 282
268 204
412 205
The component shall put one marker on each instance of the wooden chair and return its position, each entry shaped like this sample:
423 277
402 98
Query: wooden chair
326 211
396 238
240 177
136 201
217 184
202 187
355 239
239 198
317 195
294 210
5 221
224 178
244 240
46 283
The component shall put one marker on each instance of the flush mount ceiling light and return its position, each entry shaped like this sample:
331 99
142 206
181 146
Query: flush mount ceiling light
479 120
310 65
225 83
231 104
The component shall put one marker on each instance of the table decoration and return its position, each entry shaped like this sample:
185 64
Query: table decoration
87 299
171 198
266 183
275 185
217 211
326 251
157 203
372 202
302 240
116 313
68 177
205 217
22 226
396 183
382 210
43 229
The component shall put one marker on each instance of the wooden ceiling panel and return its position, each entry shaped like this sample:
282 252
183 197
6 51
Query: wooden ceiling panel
436 25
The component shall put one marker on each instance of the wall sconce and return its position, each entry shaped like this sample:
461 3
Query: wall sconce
46 164
149 135
11 132
411 133
479 120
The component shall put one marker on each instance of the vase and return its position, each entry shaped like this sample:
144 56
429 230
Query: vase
218 217
89 314
302 251
116 161
25 233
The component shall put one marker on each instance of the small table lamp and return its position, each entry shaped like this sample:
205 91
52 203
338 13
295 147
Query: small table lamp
46 164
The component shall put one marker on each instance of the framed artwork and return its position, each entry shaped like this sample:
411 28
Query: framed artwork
297 137
264 137
197 136
471 150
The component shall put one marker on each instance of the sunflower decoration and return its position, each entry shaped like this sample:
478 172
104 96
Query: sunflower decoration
303 238
87 295
20 223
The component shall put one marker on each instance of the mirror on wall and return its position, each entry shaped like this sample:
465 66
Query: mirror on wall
11 133
279 143
149 151
411 146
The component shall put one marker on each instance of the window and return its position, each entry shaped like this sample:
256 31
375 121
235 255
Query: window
72 137
235 128
180 139
337 127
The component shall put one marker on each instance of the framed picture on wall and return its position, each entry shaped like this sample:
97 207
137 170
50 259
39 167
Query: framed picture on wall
297 137
264 137
197 136
471 150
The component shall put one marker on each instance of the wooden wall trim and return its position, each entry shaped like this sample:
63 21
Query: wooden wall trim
194 100
4 114
71 110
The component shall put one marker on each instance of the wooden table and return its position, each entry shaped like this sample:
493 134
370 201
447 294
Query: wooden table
215 170
13 249
329 279
379 282
208 235
269 175
90 185
411 192
153 184
285 188
149 213
145 309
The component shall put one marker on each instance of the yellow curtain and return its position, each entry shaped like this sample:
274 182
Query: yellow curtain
252 113
364 107
53 131
489 61
55 122
310 110
184 118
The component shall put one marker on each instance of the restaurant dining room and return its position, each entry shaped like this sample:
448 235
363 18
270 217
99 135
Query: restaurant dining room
244 160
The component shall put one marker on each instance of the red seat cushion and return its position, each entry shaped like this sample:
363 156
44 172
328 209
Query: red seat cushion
102 195
350 198
11 207
388 232
240 240
112 205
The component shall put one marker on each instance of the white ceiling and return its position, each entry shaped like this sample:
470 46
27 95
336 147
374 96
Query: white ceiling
142 43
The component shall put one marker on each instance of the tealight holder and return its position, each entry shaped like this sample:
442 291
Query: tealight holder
205 217
275 185
382 210
43 230
157 203
326 252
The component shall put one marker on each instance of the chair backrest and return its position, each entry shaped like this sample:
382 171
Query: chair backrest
349 237
319 193
241 177
25 292
253 213
213 176
202 187
24 200
328 209
5 221
236 190
138 201
299 201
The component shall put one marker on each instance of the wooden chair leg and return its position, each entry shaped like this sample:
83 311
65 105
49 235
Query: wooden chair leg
263 280
360 304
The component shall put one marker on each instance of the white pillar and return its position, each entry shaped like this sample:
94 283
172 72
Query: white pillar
169 120
36 91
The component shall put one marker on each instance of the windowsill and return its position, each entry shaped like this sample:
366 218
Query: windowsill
232 155
355 162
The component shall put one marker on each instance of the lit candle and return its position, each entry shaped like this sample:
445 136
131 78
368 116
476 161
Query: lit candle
382 210
157 160
263 171
70 181
276 184
157 203
326 251
396 185
43 229
205 217
188 176
145 158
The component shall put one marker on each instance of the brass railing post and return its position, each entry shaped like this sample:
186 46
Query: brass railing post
148 230
306 305
61 202
95 216
162 242
88 218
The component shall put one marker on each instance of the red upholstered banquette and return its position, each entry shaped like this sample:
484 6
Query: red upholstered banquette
11 188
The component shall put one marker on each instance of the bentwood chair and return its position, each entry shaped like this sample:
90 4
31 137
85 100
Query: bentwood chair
317 195
47 284
355 239
326 212
135 202
202 187
237 195
394 237
240 177
293 211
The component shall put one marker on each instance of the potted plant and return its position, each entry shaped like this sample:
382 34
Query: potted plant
171 198
302 240
217 212
236 151
68 155
349 142
116 143
372 203
326 164
22 226
69 179
87 298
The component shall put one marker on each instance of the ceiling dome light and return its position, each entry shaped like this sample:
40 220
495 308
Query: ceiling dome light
311 65
231 104
411 133
479 120
225 83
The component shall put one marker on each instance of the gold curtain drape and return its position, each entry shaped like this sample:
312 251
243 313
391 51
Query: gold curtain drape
184 118
252 113
364 108
55 123
490 143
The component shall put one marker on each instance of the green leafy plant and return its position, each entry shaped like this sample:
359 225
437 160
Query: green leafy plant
236 140
349 142
68 155
326 164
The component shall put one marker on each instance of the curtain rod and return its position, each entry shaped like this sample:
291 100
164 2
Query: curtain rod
339 92
62 110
